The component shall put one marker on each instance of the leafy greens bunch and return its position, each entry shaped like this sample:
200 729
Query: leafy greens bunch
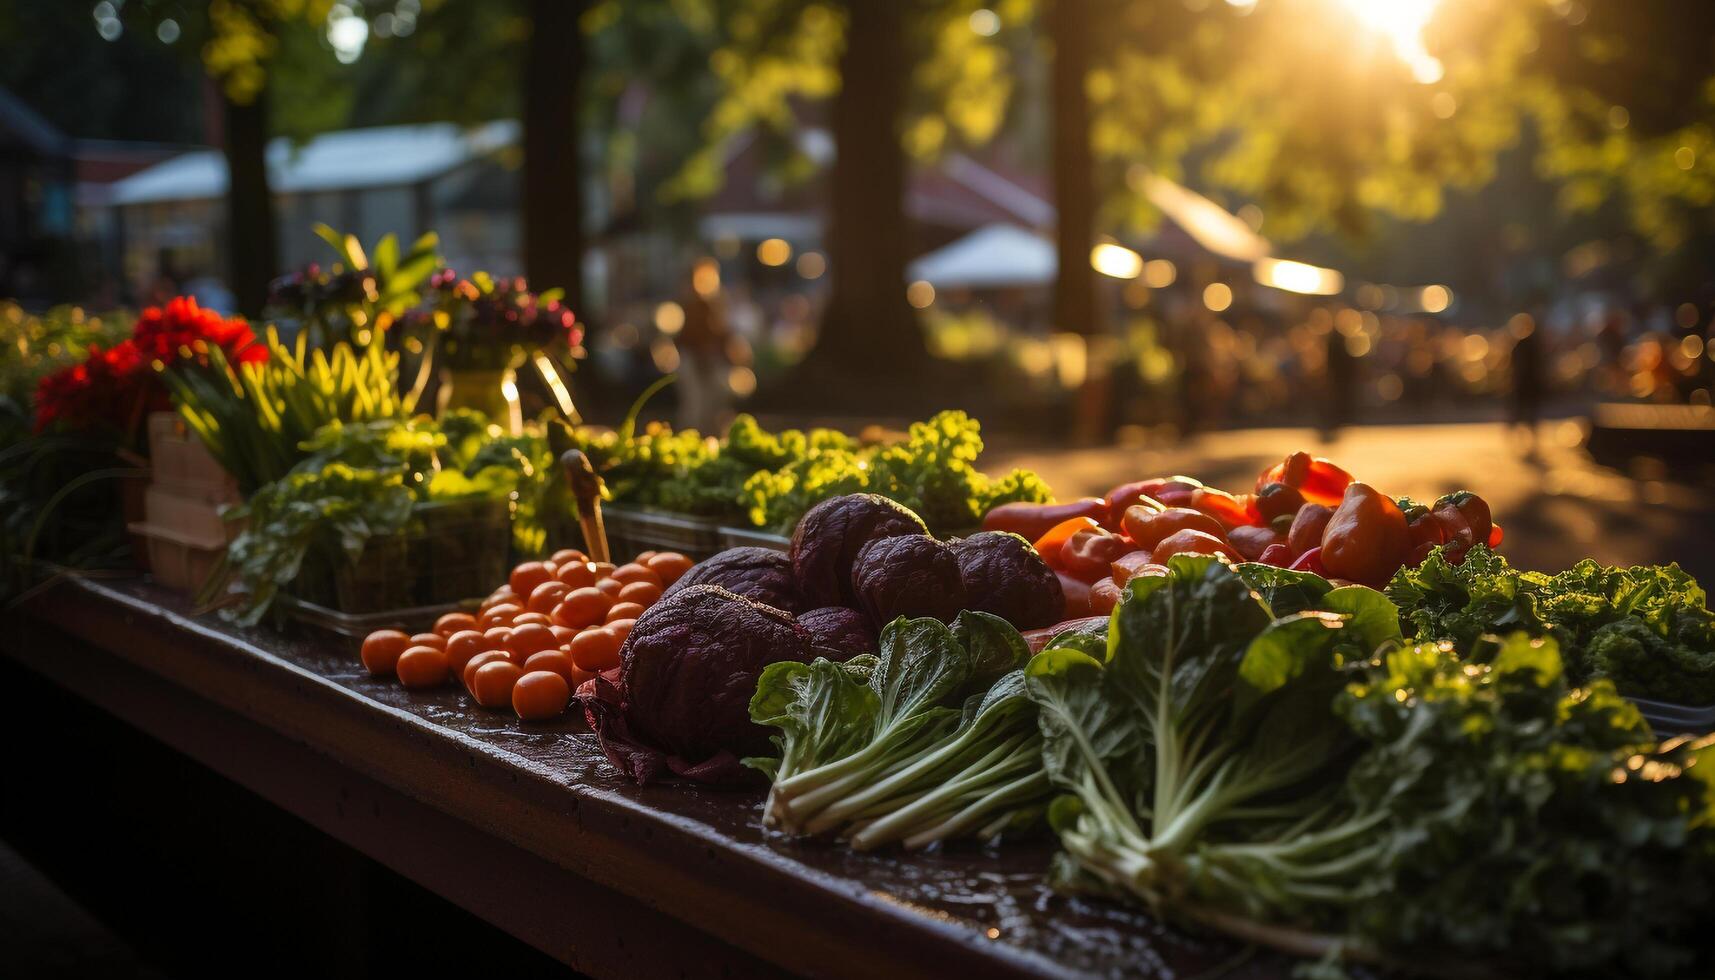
1648 628
931 740
1525 821
1196 748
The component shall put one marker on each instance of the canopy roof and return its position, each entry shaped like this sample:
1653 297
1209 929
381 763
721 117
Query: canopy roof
385 156
993 255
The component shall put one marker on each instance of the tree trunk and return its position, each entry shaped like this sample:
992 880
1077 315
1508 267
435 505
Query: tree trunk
1076 309
868 331
553 180
252 247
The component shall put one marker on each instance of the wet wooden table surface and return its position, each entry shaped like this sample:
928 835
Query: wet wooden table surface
527 826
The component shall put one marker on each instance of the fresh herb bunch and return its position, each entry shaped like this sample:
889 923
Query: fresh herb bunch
256 417
930 741
1525 820
460 458
1648 628
1197 749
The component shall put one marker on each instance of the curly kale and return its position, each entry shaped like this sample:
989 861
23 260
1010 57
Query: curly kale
1527 821
1648 628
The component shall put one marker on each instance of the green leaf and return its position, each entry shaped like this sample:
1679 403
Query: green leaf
1283 590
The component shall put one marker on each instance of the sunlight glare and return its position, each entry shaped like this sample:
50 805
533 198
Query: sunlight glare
1402 22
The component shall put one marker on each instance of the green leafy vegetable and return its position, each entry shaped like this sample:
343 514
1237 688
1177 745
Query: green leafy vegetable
1196 756
932 740
1648 628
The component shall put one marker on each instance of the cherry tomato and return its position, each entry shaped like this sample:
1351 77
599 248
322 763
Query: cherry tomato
1251 542
566 556
421 667
668 566
381 650
500 597
540 695
557 661
492 683
527 576
468 674
611 586
624 610
583 607
1148 528
596 649
634 572
563 633
462 646
526 619
453 622
1278 555
544 597
620 628
435 640
1055 538
1194 542
641 593
497 638
531 639
576 575
1495 536
501 615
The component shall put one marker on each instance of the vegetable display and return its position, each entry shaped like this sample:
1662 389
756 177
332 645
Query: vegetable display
770 480
931 740
552 626
1306 514
1647 629
858 564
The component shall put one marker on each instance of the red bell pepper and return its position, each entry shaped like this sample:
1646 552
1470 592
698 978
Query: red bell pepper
1148 527
1230 510
1090 554
1366 540
1306 530
1192 542
1253 541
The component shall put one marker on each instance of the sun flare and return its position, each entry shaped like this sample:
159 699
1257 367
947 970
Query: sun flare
1402 22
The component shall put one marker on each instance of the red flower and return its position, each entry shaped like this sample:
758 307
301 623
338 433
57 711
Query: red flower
182 328
112 387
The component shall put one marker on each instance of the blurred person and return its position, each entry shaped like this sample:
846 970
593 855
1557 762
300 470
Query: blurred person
1339 384
1527 365
704 364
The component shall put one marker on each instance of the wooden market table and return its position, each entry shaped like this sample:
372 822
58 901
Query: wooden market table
520 822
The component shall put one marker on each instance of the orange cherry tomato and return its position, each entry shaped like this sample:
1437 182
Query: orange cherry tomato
620 628
1147 527
558 661
530 639
529 618
624 610
576 575
611 586
634 572
1104 596
435 640
596 649
1193 542
1049 545
583 607
546 596
381 650
500 597
563 633
669 565
468 674
644 556
642 593
540 695
497 638
462 646
501 615
580 676
491 685
566 556
453 622
421 667
527 576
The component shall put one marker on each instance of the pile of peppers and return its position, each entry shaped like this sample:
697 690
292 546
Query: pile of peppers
1305 513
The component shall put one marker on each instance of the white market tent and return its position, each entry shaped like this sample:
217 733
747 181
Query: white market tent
994 255
383 156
